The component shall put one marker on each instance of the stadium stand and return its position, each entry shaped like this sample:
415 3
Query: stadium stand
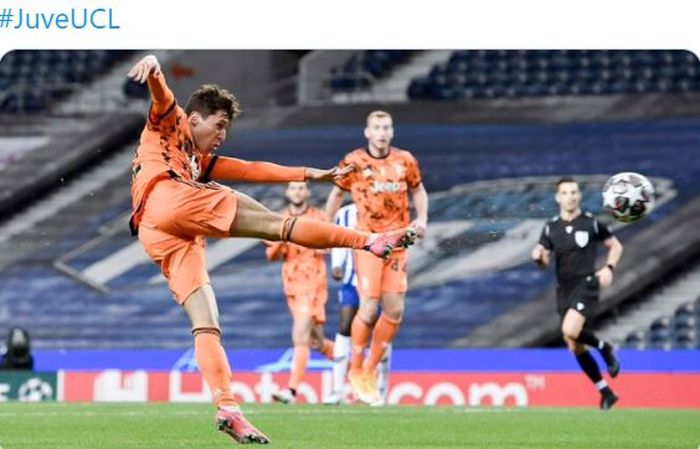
481 74
679 331
362 69
30 80
662 317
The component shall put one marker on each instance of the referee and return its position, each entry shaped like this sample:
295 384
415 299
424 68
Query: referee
573 237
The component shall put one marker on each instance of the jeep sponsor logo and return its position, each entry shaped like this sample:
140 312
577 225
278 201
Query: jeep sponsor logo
388 187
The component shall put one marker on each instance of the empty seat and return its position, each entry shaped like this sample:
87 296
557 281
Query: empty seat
660 324
635 340
584 72
359 69
38 77
685 340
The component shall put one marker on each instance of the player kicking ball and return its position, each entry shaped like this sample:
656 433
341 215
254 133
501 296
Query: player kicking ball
176 207
306 288
573 237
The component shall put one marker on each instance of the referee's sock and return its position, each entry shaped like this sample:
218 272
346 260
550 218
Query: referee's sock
590 367
587 337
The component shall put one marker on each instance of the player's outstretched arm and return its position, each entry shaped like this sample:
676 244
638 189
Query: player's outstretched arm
334 201
540 255
420 201
148 70
232 169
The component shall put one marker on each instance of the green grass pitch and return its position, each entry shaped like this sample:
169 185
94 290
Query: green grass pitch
59 425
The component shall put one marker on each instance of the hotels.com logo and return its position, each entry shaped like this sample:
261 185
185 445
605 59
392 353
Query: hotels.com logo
117 386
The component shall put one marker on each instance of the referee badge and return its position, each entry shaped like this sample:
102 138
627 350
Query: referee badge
581 238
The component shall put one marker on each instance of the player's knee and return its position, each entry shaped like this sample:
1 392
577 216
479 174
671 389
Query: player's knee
368 311
570 342
570 331
394 313
369 315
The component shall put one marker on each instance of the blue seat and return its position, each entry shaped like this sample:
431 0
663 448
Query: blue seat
636 340
48 71
660 324
685 339
659 341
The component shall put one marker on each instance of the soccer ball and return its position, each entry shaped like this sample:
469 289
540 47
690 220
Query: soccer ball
628 196
35 390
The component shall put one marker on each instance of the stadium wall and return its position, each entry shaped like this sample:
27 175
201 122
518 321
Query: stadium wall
253 75
465 378
42 170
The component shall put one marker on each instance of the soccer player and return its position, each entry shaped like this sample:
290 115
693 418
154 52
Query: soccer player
343 270
379 186
306 288
175 207
573 237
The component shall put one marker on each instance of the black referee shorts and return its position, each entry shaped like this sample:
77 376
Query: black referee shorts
581 295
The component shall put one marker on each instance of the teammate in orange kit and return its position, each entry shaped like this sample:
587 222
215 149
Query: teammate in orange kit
175 207
380 186
306 287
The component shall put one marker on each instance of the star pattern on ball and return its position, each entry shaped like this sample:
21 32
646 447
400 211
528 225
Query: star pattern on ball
634 193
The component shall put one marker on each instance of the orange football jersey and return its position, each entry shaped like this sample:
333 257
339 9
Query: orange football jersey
166 147
303 269
379 187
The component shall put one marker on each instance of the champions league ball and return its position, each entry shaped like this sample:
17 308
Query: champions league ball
628 196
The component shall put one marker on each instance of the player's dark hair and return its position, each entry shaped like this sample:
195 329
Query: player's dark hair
210 98
564 180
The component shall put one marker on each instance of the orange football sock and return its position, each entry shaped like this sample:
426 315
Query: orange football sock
299 362
319 234
213 365
359 336
327 349
383 335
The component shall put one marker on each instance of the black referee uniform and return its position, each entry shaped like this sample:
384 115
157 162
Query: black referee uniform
575 247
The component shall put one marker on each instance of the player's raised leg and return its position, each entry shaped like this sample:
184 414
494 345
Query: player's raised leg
203 313
255 220
571 327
